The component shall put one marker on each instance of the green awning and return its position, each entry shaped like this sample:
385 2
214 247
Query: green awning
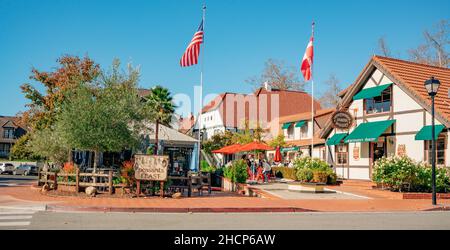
286 125
425 133
300 124
371 92
369 131
336 139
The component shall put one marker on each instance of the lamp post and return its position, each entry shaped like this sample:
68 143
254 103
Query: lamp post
432 86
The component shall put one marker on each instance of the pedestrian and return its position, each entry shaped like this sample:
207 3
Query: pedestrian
267 169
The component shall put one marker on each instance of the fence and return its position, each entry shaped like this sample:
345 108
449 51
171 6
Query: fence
76 180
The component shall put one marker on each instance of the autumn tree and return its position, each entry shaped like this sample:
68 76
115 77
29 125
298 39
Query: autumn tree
278 76
44 106
330 97
103 116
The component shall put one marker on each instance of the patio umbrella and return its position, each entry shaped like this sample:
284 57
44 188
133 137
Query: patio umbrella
231 149
277 157
254 146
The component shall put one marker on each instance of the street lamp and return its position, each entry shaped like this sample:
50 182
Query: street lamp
432 86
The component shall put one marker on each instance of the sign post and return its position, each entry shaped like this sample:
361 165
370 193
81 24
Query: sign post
151 168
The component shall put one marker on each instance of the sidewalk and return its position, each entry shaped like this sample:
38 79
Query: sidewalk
380 201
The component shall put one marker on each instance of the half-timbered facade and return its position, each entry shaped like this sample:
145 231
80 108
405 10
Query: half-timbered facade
392 113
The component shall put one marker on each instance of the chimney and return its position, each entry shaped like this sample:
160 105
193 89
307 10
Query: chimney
267 86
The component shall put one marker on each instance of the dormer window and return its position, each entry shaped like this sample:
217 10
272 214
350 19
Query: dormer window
8 133
379 104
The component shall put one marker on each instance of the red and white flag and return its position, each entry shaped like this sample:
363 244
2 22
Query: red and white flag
308 61
190 56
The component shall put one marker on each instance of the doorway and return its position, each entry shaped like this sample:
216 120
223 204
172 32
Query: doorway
377 151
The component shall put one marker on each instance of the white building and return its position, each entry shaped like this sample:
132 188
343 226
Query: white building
392 112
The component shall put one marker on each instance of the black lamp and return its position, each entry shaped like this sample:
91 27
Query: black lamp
432 86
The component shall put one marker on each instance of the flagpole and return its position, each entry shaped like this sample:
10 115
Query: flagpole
201 93
312 94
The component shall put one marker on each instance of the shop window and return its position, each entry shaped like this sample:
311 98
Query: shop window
441 143
304 131
379 104
290 132
341 154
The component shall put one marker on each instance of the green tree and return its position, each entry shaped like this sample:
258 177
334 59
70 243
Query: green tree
21 149
103 116
50 144
278 141
160 109
218 141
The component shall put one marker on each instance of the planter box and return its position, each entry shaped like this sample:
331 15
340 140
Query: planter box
307 187
229 186
424 196
64 188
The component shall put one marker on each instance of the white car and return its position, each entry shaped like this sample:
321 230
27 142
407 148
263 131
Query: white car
6 168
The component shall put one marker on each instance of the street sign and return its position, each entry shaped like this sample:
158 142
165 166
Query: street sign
151 167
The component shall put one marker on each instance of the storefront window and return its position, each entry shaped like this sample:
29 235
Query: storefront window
342 154
290 132
440 150
379 104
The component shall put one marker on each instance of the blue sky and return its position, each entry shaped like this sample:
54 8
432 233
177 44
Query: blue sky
240 35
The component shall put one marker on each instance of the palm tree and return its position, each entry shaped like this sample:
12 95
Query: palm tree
161 109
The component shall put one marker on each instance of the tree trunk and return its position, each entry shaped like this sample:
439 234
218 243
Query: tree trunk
155 151
70 156
96 160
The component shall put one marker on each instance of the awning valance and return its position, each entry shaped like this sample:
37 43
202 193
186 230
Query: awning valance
286 125
425 133
336 139
371 92
369 131
300 124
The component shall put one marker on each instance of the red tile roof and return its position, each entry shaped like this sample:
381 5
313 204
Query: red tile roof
413 76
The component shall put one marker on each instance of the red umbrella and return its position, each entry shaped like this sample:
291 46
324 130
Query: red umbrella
277 155
231 149
253 146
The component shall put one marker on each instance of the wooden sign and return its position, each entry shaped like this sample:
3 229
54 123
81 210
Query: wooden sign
356 153
401 150
342 120
151 167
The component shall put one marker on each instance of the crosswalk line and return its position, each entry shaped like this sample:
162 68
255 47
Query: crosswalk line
16 217
15 223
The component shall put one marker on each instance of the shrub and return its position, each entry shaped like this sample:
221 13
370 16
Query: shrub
237 172
314 170
398 173
304 175
205 167
284 172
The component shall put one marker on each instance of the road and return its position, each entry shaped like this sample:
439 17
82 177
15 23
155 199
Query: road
16 180
18 214
238 221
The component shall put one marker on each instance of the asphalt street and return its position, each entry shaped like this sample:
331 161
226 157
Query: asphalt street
16 180
240 221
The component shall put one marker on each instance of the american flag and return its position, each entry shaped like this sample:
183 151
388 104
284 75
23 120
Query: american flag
190 56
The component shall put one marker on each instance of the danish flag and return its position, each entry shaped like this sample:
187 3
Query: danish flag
308 60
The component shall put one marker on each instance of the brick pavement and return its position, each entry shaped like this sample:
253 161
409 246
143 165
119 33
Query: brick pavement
382 201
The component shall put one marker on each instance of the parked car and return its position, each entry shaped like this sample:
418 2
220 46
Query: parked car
25 169
6 168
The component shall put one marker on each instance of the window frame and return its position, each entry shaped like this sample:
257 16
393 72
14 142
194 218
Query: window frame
390 89
338 153
427 149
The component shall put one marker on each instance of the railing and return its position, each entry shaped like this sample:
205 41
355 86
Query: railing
103 182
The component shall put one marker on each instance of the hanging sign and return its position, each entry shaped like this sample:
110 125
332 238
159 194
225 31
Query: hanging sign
151 167
356 153
289 149
342 120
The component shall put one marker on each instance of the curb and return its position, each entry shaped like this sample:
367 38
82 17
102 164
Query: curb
56 208
439 208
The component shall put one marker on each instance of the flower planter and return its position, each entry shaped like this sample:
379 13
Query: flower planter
228 185
307 187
